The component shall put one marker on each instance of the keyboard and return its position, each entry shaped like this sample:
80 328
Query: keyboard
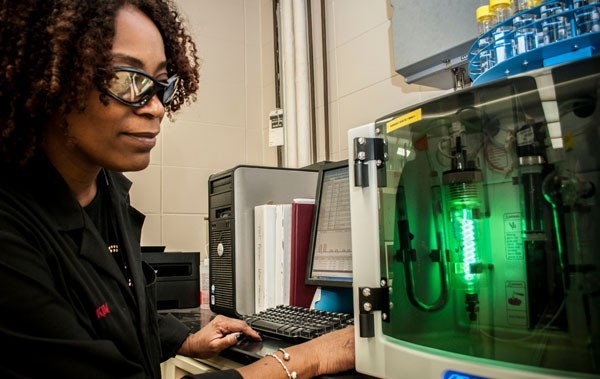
297 324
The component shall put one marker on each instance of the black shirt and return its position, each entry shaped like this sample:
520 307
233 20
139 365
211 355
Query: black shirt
66 309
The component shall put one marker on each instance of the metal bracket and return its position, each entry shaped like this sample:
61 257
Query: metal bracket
369 300
365 150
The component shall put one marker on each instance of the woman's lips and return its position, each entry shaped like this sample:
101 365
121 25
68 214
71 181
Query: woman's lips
146 140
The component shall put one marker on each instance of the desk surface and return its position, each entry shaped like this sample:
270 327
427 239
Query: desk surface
247 351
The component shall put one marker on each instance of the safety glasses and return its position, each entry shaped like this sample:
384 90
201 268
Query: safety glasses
135 88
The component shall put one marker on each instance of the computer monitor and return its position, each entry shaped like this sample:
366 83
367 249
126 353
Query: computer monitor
330 254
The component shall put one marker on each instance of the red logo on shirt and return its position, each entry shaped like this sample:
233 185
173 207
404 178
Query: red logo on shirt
102 311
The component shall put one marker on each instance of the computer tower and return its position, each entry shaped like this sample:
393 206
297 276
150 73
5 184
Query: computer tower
232 196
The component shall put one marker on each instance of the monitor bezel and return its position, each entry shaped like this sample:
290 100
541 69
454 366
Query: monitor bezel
313 235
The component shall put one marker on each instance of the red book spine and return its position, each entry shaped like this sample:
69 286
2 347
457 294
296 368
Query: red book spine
302 218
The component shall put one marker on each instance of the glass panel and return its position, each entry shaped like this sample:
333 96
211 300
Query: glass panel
489 224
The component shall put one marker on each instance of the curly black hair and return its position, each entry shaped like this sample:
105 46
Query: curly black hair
53 52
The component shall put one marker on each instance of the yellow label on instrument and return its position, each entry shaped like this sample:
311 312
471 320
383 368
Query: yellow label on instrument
405 119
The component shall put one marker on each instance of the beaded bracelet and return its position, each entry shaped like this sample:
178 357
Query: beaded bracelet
286 356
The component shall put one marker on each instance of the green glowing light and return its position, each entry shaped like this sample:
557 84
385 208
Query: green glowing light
464 206
468 240
463 225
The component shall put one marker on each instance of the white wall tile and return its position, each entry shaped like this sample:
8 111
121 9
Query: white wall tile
145 190
215 18
268 63
355 17
188 112
222 61
269 156
204 146
364 60
151 232
156 152
184 233
222 103
254 87
253 67
266 21
254 144
268 102
221 98
252 23
185 190
254 117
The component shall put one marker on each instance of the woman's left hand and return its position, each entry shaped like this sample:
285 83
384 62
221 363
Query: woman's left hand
220 333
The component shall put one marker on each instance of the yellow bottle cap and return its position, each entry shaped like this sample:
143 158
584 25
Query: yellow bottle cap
495 3
483 11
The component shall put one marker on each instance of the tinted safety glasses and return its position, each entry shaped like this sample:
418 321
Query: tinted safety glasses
135 88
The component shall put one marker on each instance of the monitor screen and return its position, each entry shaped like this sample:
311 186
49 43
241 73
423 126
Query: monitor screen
330 254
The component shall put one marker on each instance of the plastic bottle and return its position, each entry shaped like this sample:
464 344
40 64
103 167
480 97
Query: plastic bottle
554 23
587 16
524 5
204 284
526 34
501 9
485 21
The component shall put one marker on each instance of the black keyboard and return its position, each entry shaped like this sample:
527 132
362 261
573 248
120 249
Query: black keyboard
297 324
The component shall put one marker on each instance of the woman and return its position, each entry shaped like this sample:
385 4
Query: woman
84 86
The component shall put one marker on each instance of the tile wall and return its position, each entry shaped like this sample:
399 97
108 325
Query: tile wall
227 125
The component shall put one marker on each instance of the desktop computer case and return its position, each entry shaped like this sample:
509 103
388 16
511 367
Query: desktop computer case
232 196
476 226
